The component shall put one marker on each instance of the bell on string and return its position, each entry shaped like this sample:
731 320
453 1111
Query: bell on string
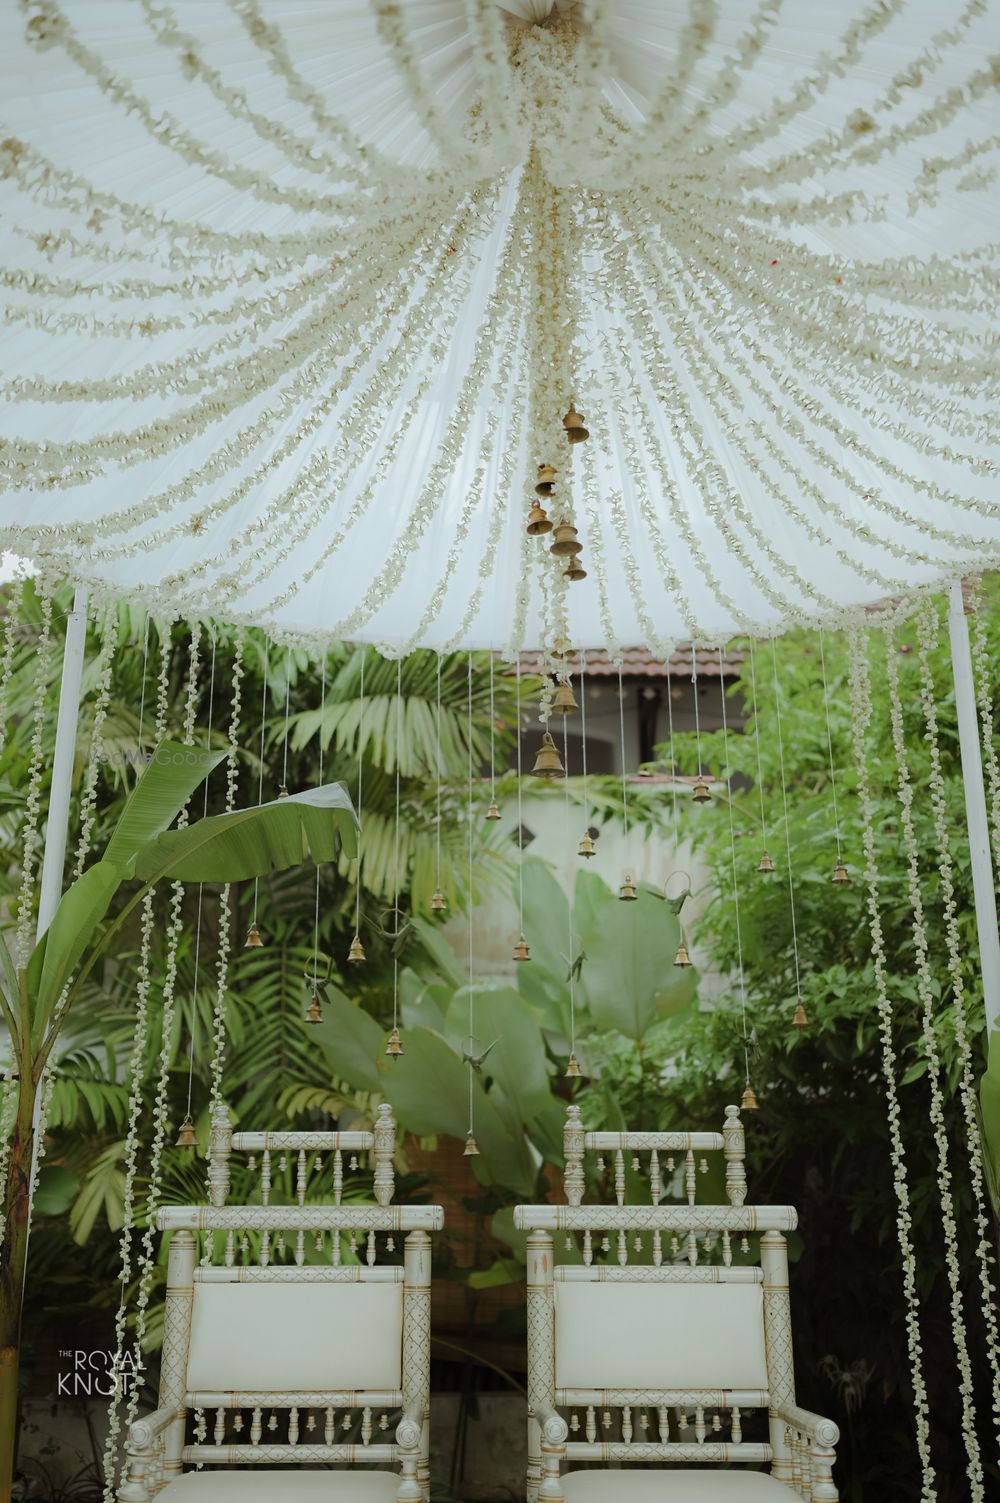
356 954
546 482
471 1148
574 571
586 847
439 902
765 864
548 763
840 876
628 891
493 811
573 423
282 791
573 1071
563 701
538 521
253 940
682 957
700 793
521 951
186 1137
394 1044
748 1101
799 1017
313 1014
564 540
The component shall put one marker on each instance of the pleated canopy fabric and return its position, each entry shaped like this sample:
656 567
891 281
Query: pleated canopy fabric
297 295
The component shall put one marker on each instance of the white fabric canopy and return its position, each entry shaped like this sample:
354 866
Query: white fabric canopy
297 295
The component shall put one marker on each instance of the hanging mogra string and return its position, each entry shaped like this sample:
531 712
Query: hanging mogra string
627 892
766 862
283 786
439 903
107 623
748 1101
492 811
224 926
572 1064
840 876
586 848
700 792
673 759
394 1046
471 1148
33 799
314 1012
799 1017
521 950
253 940
356 953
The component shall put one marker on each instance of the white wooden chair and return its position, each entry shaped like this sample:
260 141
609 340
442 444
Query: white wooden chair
287 1362
661 1358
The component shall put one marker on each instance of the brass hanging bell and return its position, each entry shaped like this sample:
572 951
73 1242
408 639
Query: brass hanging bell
748 1101
538 521
573 1071
546 482
253 940
313 1014
493 811
563 701
574 571
471 1148
282 791
840 875
548 763
186 1136
521 951
700 793
682 958
439 902
628 891
394 1044
586 848
573 423
765 864
356 954
564 541
799 1017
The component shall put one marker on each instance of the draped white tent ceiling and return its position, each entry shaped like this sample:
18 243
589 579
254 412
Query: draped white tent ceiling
296 296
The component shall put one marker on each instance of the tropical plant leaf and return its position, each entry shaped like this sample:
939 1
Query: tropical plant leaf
629 977
168 781
989 1101
350 1039
516 1062
61 947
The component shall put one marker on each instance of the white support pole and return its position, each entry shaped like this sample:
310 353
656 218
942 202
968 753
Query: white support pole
61 786
976 813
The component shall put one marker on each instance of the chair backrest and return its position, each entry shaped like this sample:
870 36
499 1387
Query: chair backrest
283 1331
659 1330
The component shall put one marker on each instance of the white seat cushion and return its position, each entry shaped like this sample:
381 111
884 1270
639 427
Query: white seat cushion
298 1485
700 1486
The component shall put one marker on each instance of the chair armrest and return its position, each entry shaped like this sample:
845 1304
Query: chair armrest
554 1428
824 1431
410 1429
143 1431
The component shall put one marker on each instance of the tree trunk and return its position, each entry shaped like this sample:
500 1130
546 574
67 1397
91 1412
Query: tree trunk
13 1255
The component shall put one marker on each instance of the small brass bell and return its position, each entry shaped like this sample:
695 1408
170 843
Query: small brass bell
356 954
840 876
564 541
748 1101
628 892
253 940
538 521
573 423
282 791
563 701
186 1137
471 1148
493 812
586 847
548 763
573 1071
546 482
700 793
394 1044
439 902
682 957
799 1018
521 951
574 571
765 864
313 1014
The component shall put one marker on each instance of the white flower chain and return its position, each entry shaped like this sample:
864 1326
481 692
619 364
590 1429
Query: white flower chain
95 750
33 800
984 680
861 714
222 959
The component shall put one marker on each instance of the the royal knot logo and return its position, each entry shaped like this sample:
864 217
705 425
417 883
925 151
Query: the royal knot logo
89 1374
